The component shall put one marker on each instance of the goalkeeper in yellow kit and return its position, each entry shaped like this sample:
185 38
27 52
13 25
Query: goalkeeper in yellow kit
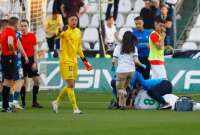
71 40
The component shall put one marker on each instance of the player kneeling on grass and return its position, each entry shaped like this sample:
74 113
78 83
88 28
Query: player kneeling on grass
156 88
125 56
71 40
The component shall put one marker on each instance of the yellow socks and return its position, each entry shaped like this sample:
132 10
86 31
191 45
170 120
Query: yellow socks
71 95
72 98
62 94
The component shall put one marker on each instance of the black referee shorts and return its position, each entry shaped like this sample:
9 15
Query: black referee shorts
8 66
27 68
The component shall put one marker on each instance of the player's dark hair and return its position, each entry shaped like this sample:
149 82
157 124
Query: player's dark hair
25 20
110 17
72 14
138 18
13 21
3 23
128 43
55 12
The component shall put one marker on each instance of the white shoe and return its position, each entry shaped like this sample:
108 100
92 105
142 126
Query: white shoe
55 106
166 106
17 106
77 111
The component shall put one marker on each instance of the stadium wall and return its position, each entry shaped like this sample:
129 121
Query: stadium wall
183 73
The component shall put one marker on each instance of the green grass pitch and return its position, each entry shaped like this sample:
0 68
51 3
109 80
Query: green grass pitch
97 120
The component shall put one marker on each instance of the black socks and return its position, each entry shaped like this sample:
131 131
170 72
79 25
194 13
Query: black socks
23 96
5 97
35 92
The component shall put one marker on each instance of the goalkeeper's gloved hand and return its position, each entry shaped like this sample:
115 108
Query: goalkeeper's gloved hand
143 66
87 65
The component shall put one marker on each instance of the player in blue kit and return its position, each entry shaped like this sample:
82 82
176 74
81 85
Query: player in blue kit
142 36
156 88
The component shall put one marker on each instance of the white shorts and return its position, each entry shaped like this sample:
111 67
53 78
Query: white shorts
158 72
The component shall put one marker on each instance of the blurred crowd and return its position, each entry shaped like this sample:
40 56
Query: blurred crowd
153 9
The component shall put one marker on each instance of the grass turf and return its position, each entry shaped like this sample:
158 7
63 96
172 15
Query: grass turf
96 120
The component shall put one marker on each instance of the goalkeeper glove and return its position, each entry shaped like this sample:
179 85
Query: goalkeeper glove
87 65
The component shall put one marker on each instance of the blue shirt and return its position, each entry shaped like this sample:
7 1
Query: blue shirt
143 41
146 84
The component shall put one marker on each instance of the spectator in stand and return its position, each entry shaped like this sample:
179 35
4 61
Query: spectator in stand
73 6
147 15
167 22
171 4
115 12
57 7
155 7
142 36
110 31
52 25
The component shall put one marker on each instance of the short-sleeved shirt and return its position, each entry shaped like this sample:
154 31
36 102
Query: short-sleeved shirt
148 17
53 25
156 56
110 34
155 38
73 6
28 42
4 41
143 41
125 61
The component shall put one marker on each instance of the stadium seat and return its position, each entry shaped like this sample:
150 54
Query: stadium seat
104 7
122 31
50 6
189 46
96 47
91 35
194 35
198 21
40 33
84 21
139 4
95 20
120 21
86 46
130 20
92 8
125 6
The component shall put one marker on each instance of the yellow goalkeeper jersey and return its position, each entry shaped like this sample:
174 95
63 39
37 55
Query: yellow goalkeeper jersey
71 45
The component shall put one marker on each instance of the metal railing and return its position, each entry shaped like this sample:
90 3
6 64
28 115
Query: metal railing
190 23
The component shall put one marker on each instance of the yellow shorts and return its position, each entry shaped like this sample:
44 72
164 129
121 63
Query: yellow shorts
68 71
